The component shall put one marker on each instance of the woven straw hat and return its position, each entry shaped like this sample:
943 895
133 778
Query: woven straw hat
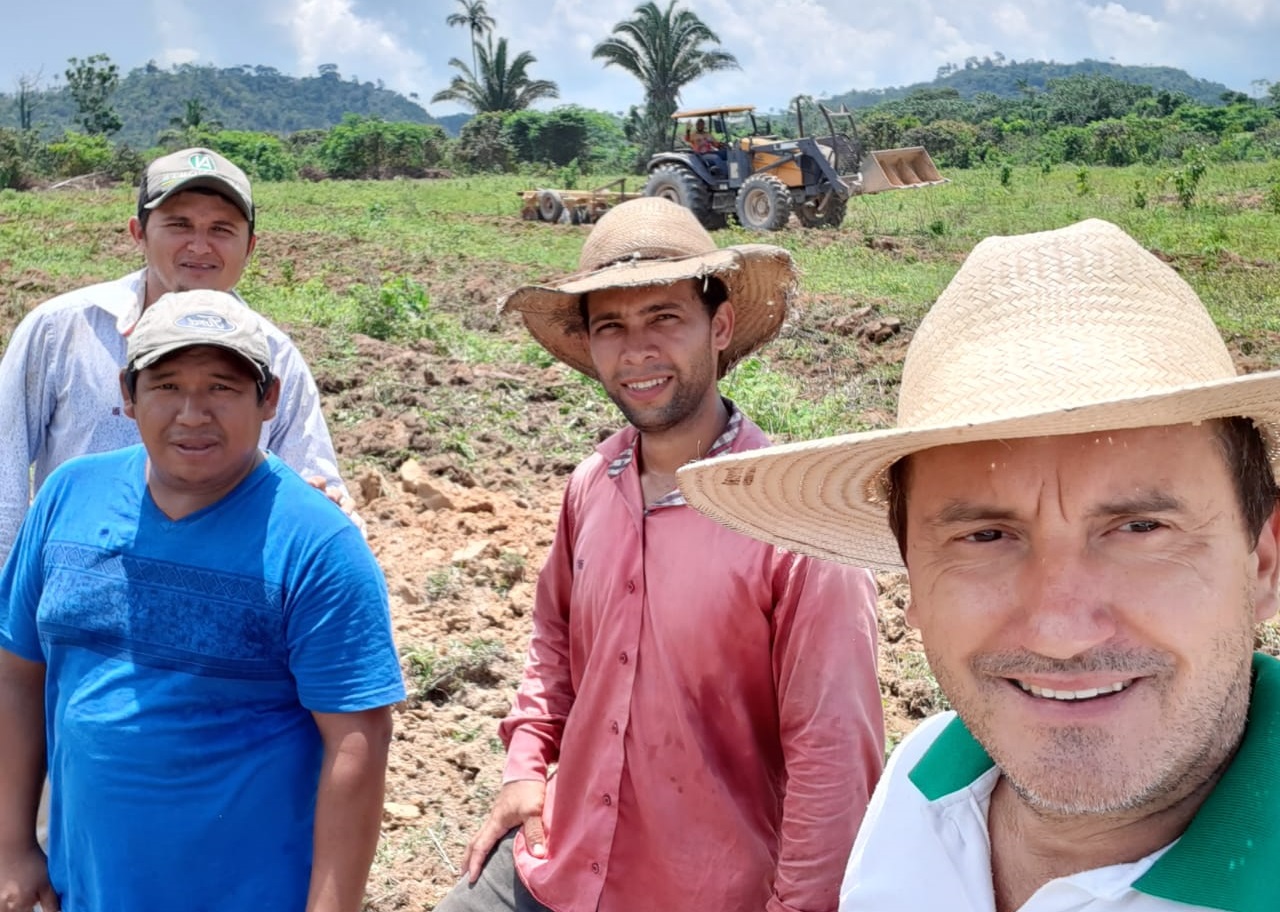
1055 333
653 241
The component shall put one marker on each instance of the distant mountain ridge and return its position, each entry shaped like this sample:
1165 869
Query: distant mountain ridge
262 98
1011 79
239 98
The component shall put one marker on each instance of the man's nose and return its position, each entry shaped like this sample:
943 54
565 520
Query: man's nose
199 242
194 410
638 346
1063 609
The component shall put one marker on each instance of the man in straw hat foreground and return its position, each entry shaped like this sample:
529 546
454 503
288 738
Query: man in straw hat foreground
1079 488
709 703
203 641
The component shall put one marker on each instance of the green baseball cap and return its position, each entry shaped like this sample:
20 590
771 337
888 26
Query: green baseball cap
190 168
182 319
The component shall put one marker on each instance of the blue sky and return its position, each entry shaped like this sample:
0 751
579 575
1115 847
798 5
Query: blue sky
786 47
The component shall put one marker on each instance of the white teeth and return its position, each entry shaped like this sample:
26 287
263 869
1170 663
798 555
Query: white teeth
645 384
1089 694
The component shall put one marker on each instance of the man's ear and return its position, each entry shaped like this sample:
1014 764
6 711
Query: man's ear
271 401
124 393
722 326
135 229
253 242
1267 568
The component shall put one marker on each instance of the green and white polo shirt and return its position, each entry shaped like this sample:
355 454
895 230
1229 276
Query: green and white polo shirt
923 846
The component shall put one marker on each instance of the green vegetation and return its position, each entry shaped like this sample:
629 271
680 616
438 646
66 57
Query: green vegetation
665 49
438 675
424 262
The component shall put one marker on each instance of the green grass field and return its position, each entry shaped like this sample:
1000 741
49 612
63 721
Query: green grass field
429 259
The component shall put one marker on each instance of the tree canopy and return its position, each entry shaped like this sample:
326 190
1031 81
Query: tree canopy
497 85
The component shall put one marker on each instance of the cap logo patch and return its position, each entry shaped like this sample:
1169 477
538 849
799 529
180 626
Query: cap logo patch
208 322
202 161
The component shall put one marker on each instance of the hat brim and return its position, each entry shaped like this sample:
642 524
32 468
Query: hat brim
216 183
164 351
760 280
825 498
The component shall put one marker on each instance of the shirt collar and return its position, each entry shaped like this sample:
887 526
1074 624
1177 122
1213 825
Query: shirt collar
128 309
721 445
1226 857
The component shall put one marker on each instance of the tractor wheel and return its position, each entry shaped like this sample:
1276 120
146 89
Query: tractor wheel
683 187
550 206
764 203
831 217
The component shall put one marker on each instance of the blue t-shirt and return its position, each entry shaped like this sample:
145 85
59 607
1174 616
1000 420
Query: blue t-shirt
183 661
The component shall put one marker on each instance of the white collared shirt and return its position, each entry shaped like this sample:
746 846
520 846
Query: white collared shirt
924 844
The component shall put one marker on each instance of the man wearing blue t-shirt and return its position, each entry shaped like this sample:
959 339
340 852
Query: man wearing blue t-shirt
197 644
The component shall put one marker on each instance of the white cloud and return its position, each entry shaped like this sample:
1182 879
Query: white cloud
177 55
330 31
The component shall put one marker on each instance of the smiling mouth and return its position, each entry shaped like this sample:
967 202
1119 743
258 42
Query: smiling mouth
646 384
1071 695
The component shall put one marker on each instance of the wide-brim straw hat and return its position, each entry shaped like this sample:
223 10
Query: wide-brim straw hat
1060 332
653 241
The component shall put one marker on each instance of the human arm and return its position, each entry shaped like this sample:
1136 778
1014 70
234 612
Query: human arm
519 803
26 404
831 725
24 874
298 433
348 806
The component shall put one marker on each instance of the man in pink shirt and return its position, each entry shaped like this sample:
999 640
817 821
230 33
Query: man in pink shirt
699 725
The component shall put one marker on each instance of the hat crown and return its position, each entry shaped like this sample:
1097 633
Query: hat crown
1066 318
645 228
184 319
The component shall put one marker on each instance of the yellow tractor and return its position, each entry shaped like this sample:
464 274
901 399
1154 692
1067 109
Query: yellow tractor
732 167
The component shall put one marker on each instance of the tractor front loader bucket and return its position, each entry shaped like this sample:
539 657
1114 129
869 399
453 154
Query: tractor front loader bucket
899 169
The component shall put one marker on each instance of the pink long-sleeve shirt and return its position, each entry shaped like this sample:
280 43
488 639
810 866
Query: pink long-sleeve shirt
711 702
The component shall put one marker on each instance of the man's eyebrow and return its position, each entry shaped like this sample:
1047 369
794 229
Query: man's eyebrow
1139 502
652 308
963 511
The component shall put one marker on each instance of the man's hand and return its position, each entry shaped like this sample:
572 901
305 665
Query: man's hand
24 882
518 804
344 502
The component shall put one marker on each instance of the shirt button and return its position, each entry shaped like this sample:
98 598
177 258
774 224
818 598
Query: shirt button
631 586
607 801
613 727
595 868
622 657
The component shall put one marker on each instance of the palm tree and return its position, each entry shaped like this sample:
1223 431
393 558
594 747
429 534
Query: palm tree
192 127
494 85
664 50
477 21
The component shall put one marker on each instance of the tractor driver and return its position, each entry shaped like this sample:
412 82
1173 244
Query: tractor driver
701 141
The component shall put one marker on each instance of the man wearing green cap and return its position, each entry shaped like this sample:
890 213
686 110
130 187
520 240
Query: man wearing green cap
196 645
58 399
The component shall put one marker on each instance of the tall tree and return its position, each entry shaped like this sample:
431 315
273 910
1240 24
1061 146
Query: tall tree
191 127
476 19
27 95
665 50
496 85
92 82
